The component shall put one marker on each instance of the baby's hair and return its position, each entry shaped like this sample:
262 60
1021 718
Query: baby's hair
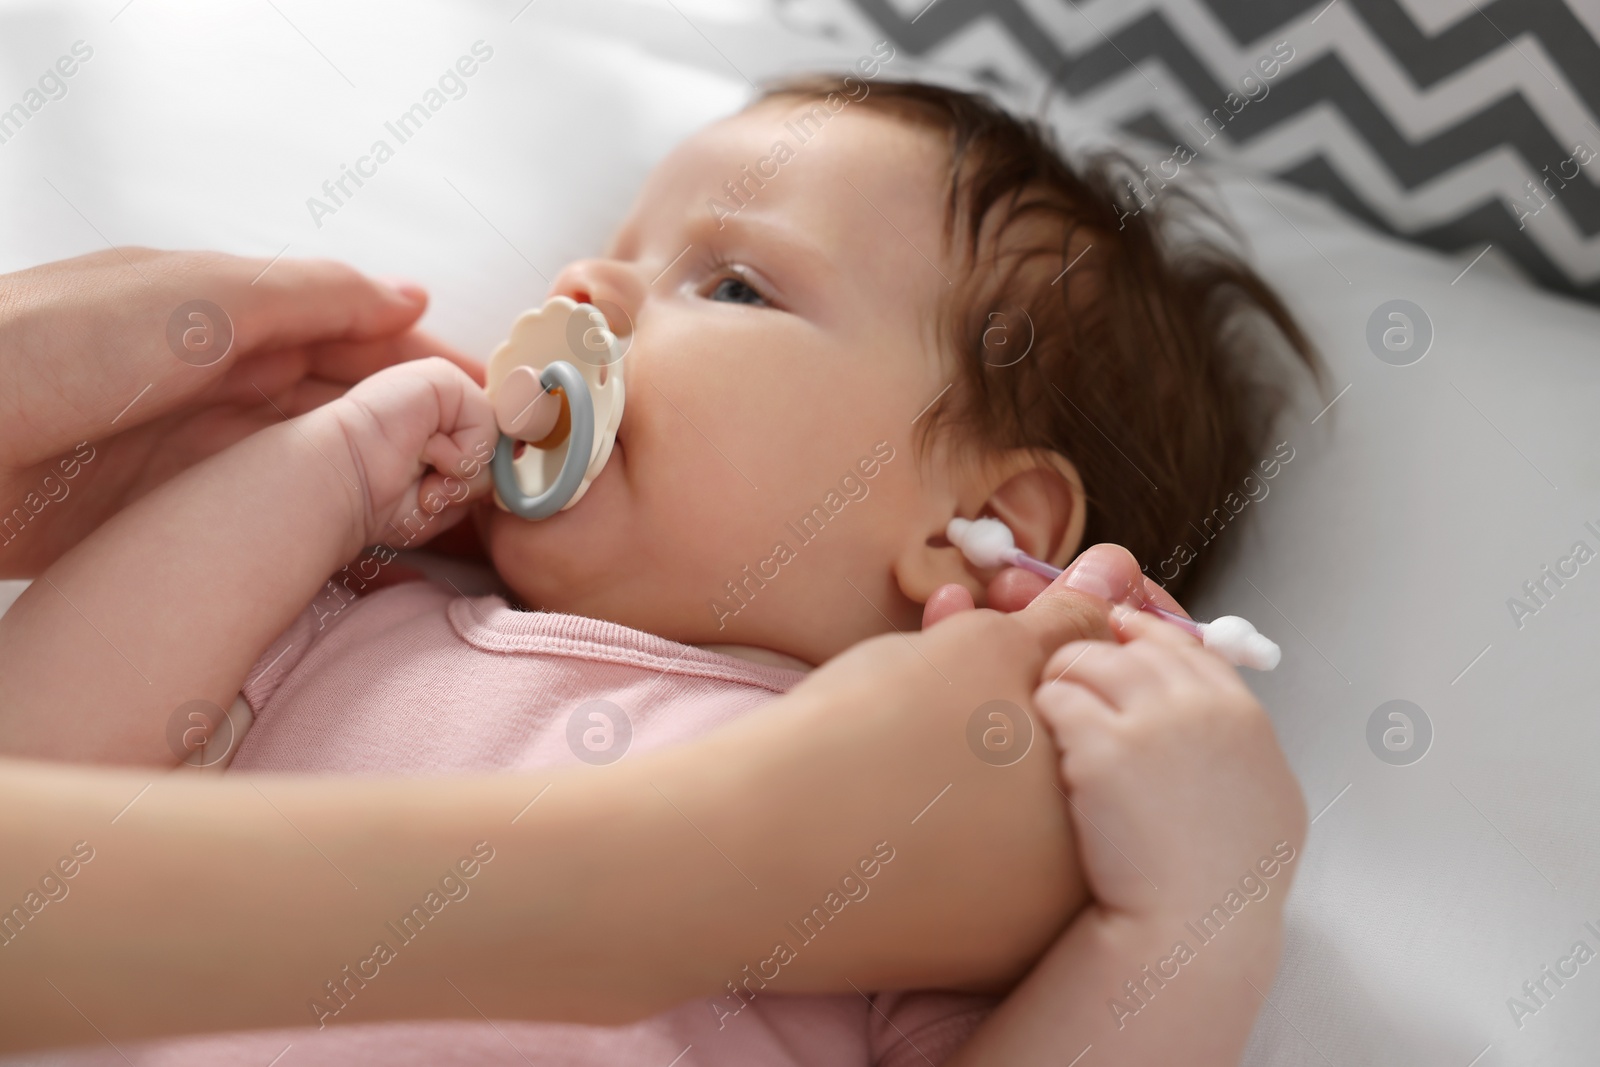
1143 369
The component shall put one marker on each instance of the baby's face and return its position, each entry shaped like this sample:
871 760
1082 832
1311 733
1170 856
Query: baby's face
779 352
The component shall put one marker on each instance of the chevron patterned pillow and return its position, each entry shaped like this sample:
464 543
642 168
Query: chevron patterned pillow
1467 126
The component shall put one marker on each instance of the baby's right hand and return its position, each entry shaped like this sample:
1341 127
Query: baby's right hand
1175 776
420 436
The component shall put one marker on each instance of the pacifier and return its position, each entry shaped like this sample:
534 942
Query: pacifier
556 388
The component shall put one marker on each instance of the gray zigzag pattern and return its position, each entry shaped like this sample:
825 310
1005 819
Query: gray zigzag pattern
1509 121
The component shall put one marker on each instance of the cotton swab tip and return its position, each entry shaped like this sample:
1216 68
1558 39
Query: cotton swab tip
1240 643
986 542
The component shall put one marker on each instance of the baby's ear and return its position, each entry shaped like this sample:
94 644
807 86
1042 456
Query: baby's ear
1037 494
1044 504
926 565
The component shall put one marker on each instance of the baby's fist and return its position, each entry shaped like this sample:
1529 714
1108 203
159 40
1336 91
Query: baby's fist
420 435
1177 783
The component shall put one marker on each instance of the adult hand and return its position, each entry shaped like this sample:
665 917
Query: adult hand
1103 570
956 817
97 349
574 919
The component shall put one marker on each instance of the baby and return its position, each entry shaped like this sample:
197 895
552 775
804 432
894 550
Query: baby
852 312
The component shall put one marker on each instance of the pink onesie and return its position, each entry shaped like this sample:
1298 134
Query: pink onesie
416 680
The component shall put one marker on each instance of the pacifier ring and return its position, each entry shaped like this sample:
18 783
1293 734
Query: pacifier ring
580 442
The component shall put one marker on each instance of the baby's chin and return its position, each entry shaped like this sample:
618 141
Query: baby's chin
521 553
564 563
548 562
572 567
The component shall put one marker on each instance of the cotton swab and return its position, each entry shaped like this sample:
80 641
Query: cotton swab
989 543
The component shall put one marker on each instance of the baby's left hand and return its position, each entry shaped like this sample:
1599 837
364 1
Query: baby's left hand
1177 782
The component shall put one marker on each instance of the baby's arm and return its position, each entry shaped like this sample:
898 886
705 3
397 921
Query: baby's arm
1188 820
175 597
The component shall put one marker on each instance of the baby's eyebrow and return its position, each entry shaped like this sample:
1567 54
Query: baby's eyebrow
787 242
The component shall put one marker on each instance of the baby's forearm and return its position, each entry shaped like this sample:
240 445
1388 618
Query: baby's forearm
1125 987
174 598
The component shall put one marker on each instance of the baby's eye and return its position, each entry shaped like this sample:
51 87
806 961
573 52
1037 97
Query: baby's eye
736 291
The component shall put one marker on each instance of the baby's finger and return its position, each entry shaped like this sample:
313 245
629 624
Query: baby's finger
1181 650
1190 650
1117 673
442 486
1069 709
461 459
1063 659
466 434
1130 624
1014 589
429 509
1147 591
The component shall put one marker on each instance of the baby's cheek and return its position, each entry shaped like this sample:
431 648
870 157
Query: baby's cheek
506 540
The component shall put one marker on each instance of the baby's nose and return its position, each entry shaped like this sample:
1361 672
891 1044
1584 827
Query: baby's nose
612 286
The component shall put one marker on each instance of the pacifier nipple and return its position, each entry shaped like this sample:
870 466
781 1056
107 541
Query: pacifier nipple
559 349
526 411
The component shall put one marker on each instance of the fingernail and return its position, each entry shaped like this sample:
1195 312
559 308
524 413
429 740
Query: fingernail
405 289
1093 576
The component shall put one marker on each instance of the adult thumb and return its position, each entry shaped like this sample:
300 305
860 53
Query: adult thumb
1077 605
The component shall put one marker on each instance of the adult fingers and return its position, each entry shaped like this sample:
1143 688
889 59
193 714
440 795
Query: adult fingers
1110 571
947 600
309 394
1107 571
315 374
351 361
1014 589
132 334
300 301
1078 603
1011 590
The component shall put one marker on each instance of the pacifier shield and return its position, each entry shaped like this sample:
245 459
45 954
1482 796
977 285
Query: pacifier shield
566 331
